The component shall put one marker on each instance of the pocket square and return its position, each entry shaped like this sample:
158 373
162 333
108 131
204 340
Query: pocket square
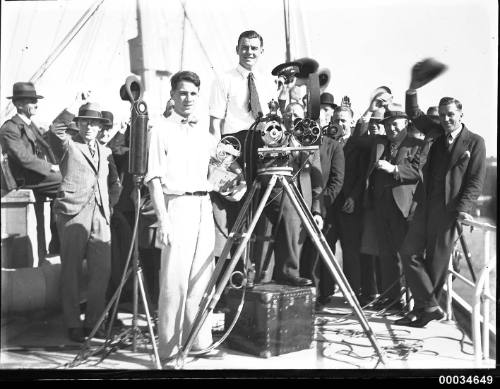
466 154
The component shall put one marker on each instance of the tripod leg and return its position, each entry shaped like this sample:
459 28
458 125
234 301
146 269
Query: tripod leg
148 317
330 261
204 312
230 242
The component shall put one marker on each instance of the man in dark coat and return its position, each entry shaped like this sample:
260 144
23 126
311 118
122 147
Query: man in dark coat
30 157
453 178
332 167
392 176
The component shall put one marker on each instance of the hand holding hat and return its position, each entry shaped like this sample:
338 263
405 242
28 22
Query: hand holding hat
380 100
425 71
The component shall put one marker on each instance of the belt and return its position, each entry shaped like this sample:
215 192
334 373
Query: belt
198 193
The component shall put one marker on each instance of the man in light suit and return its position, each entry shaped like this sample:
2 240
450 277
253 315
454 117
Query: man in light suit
453 178
89 189
392 176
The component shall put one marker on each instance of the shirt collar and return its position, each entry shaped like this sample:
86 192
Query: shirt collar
454 134
24 119
244 72
178 118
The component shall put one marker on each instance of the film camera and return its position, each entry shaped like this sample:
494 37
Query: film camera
279 141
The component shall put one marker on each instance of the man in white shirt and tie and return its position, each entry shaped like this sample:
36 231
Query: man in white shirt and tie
234 108
179 153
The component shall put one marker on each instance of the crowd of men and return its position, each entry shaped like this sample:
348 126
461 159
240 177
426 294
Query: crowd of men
390 187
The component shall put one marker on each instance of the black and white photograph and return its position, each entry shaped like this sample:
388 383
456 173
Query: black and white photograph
280 189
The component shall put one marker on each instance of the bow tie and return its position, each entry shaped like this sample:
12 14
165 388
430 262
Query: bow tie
190 120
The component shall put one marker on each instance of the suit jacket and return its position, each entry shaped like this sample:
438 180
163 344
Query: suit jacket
332 167
407 160
82 177
466 171
19 141
355 162
311 181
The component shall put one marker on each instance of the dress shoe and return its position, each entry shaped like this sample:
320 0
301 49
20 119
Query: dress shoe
426 317
212 354
76 335
410 317
99 334
294 281
324 300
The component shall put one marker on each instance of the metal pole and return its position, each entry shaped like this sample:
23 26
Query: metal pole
486 301
449 287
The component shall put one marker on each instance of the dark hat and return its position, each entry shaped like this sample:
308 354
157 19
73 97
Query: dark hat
109 117
288 67
22 90
90 111
306 67
394 111
327 98
425 71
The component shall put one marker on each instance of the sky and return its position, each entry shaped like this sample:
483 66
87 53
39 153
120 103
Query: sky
364 44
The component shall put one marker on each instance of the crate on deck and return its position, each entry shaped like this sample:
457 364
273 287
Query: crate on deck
276 319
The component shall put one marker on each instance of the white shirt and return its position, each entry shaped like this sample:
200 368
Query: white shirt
229 98
24 118
450 138
179 154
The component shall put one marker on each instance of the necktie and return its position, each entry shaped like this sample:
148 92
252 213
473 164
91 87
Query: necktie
92 149
394 150
253 98
449 142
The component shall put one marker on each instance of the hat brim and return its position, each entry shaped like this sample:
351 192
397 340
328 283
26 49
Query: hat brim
78 118
38 97
398 116
285 65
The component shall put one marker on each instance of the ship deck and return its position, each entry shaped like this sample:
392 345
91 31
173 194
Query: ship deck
38 341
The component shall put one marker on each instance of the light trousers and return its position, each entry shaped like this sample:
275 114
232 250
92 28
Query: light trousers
187 264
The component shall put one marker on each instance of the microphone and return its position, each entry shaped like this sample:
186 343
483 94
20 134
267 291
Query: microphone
137 161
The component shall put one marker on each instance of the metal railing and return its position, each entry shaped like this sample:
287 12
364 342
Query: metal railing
482 295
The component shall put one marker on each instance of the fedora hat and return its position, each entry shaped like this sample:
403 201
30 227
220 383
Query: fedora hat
22 90
425 71
109 118
394 111
327 98
90 111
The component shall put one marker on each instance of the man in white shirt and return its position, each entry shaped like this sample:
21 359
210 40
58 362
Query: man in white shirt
233 109
179 153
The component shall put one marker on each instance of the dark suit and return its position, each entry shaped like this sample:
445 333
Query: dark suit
332 167
347 227
453 179
291 233
83 207
30 159
391 196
